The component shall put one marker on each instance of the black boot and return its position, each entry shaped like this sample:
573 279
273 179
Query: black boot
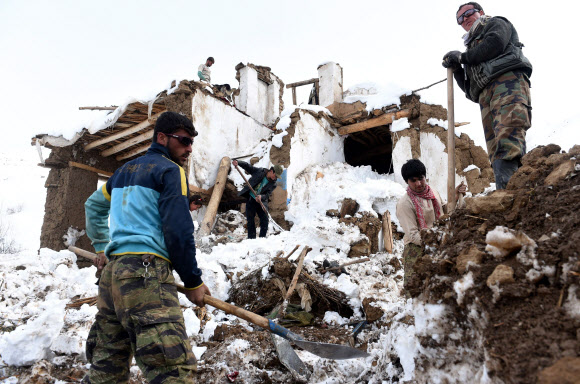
503 171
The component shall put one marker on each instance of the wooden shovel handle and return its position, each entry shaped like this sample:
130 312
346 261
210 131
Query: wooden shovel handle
236 311
450 143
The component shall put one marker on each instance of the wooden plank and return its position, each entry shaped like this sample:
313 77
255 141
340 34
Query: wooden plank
136 128
98 108
128 143
89 168
387 232
216 197
385 119
133 152
294 95
299 83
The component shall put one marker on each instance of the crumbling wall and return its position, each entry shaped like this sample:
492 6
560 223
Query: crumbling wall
428 143
67 190
260 93
223 131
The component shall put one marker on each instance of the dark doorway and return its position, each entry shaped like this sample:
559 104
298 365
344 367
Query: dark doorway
372 147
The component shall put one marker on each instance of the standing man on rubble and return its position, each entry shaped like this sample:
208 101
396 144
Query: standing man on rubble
263 181
418 209
496 75
150 234
203 70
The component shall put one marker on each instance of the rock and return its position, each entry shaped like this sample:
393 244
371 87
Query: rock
543 238
560 172
575 150
360 248
537 155
496 201
319 175
333 213
557 159
501 275
523 176
349 207
368 225
471 255
564 371
372 313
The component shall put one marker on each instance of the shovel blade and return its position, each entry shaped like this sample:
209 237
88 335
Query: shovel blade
290 359
324 350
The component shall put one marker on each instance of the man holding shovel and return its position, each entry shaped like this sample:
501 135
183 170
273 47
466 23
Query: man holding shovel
263 182
150 234
495 74
418 209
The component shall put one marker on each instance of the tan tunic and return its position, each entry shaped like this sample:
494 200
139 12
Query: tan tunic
407 216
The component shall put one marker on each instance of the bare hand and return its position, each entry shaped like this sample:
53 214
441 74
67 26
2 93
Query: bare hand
235 163
259 198
100 261
196 295
460 189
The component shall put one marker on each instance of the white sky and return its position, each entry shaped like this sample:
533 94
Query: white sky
59 55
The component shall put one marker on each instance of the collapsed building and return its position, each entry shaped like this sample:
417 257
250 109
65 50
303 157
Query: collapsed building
252 124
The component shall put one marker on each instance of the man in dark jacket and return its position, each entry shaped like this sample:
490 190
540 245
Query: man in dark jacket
496 75
263 181
140 220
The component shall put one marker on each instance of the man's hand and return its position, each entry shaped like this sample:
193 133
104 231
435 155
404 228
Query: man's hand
259 198
460 189
235 163
100 261
452 60
196 295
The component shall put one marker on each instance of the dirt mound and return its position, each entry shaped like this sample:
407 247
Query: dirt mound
509 266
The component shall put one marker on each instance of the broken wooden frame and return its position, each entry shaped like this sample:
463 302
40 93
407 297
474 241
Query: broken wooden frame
314 81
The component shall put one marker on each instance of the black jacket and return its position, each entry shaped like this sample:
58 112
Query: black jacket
256 177
493 49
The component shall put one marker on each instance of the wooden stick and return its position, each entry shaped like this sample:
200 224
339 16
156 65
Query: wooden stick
133 152
429 86
291 253
123 133
216 197
98 108
387 232
294 95
450 143
282 311
86 254
385 119
345 264
299 83
128 143
89 168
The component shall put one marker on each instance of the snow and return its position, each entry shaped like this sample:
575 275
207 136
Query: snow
375 95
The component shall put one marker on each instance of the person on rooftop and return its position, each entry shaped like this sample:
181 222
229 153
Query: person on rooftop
203 70
494 72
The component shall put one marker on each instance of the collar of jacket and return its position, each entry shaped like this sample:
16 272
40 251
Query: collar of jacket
158 149
468 37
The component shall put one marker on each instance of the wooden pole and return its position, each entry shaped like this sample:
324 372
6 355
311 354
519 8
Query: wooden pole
292 285
387 232
294 95
89 168
216 196
450 143
385 119
147 136
345 264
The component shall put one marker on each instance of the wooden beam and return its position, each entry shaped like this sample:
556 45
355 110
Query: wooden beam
387 232
293 95
112 108
385 119
216 197
128 143
126 132
133 152
89 168
299 83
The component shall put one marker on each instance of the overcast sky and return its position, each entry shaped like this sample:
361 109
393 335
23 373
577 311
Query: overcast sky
59 55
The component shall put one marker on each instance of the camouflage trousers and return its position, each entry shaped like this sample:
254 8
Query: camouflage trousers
506 113
138 316
411 253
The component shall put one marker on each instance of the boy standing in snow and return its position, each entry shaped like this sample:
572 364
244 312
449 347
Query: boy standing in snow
203 71
496 75
263 181
150 234
418 209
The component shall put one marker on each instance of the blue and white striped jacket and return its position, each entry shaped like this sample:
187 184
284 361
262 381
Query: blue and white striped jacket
149 213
